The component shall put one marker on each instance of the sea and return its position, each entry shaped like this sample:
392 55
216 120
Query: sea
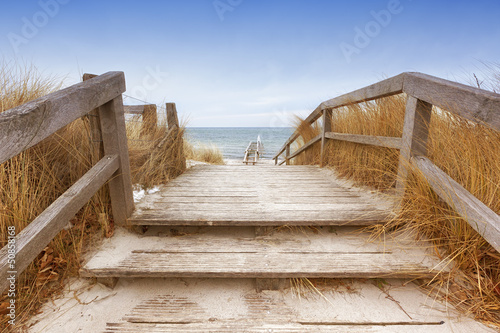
232 141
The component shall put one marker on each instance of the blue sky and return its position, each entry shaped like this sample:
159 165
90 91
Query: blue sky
249 62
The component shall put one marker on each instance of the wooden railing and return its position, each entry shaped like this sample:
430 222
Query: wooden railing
423 92
26 125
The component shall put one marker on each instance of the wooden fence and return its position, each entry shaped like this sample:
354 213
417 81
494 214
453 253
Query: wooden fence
26 125
423 92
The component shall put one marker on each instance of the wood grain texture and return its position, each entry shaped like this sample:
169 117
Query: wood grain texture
485 221
384 88
133 109
114 138
285 327
322 255
32 122
327 127
258 196
471 103
381 141
414 141
33 239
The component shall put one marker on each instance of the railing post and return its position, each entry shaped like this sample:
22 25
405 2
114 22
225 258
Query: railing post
173 128
96 146
415 136
287 154
114 138
327 127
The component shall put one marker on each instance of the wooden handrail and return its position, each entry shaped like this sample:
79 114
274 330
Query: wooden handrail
26 125
423 92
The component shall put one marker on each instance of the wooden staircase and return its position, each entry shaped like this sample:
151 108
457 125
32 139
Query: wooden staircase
227 222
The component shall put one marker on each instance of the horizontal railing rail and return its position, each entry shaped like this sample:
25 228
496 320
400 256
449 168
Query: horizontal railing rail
423 92
26 125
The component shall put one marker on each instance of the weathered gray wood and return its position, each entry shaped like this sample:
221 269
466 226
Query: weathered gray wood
172 119
471 103
317 138
115 142
96 146
381 141
388 87
35 237
133 109
291 217
327 127
414 141
293 254
287 155
271 284
26 125
265 265
481 218
286 327
242 196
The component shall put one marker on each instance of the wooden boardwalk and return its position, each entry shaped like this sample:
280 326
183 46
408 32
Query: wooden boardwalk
262 195
215 223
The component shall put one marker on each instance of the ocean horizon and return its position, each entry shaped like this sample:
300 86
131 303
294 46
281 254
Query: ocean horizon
232 141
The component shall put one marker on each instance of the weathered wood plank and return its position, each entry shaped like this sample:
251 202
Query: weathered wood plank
34 121
414 141
320 254
94 119
402 327
114 138
327 127
481 218
471 103
270 265
35 237
388 87
133 109
291 217
381 141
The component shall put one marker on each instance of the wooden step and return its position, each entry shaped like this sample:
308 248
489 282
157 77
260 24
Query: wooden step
344 306
261 196
436 327
291 254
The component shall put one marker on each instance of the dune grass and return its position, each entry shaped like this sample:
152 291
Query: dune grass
469 153
31 181
203 153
